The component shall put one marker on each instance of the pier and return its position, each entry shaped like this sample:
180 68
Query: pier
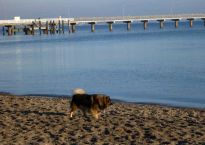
57 25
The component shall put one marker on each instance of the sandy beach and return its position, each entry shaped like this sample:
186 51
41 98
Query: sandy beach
45 121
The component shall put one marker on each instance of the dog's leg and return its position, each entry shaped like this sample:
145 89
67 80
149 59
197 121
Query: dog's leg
96 116
73 108
71 114
85 113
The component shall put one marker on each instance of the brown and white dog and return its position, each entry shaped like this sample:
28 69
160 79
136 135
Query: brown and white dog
89 103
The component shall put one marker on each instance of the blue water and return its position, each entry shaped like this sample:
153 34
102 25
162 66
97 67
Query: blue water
165 66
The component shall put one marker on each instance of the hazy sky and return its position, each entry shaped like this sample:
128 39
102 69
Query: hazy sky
82 8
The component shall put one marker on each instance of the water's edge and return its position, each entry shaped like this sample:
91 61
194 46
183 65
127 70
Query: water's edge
56 96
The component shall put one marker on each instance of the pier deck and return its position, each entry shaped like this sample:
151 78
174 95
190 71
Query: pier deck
57 24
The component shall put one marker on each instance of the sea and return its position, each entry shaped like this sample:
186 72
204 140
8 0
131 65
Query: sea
155 66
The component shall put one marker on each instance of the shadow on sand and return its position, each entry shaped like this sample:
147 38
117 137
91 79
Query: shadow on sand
34 112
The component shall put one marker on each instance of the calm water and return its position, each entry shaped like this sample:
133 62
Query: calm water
153 66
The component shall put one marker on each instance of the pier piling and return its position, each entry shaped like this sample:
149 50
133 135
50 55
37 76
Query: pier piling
50 27
68 26
145 22
39 27
176 21
32 28
110 26
191 22
203 19
46 30
25 30
73 29
63 26
14 30
59 26
128 25
92 24
9 30
54 27
3 30
161 23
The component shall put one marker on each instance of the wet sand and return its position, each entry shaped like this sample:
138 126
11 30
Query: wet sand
45 121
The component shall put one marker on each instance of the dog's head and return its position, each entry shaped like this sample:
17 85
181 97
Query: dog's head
103 101
107 101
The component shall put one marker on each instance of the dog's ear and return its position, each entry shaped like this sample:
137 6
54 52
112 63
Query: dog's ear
108 100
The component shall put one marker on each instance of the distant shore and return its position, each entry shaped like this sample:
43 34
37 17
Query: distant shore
45 120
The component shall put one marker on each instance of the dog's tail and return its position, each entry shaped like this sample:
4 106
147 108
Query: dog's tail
79 91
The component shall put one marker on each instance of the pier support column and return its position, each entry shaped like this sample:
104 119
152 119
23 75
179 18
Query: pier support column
32 29
39 23
27 31
92 24
73 29
176 22
204 21
3 30
9 30
59 26
63 26
128 25
110 26
50 27
161 23
69 26
14 30
46 30
191 22
54 27
145 22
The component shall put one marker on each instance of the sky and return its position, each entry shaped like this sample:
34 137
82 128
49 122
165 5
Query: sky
96 8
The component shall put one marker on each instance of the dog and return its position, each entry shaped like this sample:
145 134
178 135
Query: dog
88 103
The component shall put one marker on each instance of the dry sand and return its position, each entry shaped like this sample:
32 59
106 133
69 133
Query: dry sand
45 121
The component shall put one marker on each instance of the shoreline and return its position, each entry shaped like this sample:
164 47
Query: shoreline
45 120
114 100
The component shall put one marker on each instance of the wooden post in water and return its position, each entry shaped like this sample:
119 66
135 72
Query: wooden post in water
14 30
68 26
32 28
54 27
128 25
46 30
9 29
161 25
59 26
110 25
145 22
50 27
73 29
39 27
25 30
176 22
92 24
191 22
3 30
63 26
203 19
